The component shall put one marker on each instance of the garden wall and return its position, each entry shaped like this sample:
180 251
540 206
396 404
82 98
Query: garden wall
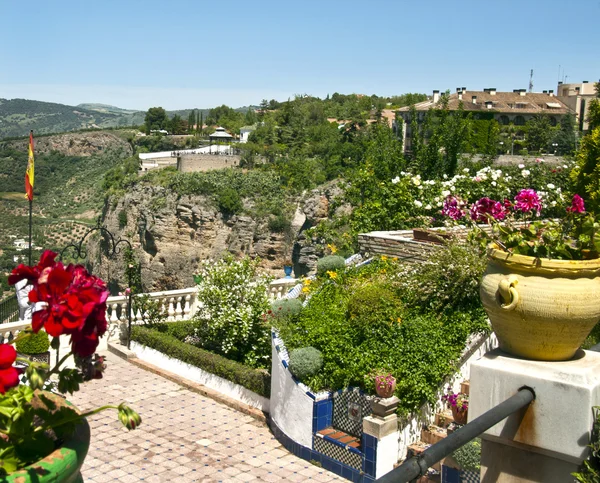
228 388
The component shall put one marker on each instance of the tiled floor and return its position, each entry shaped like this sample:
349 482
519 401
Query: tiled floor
184 436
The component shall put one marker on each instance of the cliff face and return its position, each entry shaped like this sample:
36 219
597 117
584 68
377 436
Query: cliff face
74 144
171 235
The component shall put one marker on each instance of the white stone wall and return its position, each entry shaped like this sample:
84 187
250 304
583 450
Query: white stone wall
228 388
291 407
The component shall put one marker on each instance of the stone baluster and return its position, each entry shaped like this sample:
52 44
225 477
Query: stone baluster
171 310
186 308
178 309
113 315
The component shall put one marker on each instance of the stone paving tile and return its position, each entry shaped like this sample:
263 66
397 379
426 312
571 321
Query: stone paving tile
184 436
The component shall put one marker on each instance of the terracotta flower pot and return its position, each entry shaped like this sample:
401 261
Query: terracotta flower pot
386 391
63 464
541 309
459 416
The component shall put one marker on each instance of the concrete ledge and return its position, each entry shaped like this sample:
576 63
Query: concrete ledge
201 389
121 351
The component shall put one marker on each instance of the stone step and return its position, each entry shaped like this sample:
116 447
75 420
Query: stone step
433 434
444 419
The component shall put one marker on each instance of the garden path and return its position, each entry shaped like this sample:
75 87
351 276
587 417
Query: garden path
184 436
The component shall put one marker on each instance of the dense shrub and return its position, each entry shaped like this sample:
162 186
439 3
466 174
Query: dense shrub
468 456
373 304
448 281
284 308
279 224
420 349
230 322
33 343
229 201
257 380
305 362
330 263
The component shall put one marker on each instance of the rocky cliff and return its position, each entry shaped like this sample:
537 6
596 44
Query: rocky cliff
172 234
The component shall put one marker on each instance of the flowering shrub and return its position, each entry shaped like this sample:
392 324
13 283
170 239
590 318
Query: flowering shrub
459 401
233 299
575 237
408 200
71 302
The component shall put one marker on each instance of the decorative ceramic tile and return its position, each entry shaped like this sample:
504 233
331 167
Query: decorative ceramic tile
350 406
338 452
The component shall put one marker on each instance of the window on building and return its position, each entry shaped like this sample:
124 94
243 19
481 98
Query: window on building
553 121
519 121
504 120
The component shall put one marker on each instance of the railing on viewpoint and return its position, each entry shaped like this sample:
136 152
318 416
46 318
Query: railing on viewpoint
10 330
9 310
417 466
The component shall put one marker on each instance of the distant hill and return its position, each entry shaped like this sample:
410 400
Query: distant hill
106 108
19 116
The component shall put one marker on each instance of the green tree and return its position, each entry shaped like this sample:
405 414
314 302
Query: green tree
539 133
191 121
564 138
594 110
177 125
156 119
587 173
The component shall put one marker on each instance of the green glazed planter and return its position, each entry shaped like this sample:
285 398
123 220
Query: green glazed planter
63 465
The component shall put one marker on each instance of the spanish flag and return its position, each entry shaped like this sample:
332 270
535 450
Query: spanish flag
29 173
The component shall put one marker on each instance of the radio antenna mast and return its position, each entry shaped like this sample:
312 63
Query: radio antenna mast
531 81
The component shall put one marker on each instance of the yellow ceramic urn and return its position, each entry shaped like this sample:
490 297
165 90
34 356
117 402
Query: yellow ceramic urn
541 309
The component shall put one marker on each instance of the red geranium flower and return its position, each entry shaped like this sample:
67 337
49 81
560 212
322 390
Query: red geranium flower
9 376
75 301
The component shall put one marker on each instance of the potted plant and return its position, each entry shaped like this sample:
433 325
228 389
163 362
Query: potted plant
385 385
458 404
34 347
44 438
541 287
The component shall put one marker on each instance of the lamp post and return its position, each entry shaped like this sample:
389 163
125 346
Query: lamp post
555 146
501 147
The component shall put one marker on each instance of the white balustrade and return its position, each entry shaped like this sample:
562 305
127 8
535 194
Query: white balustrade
175 304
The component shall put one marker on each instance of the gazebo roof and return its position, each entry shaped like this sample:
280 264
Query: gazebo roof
220 133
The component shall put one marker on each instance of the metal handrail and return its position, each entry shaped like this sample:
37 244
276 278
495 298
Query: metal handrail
418 465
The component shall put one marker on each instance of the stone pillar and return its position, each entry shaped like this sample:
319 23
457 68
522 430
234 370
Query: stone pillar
380 437
546 441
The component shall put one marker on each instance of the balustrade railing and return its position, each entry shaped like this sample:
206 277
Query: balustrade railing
9 310
175 304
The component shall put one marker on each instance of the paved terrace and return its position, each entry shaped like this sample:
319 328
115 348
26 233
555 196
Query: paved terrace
184 436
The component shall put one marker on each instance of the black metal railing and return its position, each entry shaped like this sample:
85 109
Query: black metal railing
417 465
9 310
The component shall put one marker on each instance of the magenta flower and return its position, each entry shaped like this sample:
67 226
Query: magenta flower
451 208
527 201
485 209
577 205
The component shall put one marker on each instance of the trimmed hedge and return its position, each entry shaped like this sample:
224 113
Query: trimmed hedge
258 381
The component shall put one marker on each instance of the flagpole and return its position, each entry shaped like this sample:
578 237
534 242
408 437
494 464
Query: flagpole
29 182
30 222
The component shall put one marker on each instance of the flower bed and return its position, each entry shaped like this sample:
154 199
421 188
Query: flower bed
366 318
256 380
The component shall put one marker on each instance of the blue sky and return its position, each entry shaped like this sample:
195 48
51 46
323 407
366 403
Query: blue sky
194 53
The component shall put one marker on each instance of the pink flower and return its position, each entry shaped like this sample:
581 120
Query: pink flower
527 201
483 209
451 208
577 205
